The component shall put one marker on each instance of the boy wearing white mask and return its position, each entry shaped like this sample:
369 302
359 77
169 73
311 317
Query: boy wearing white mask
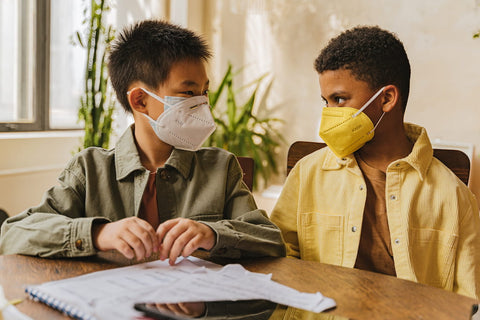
375 198
157 190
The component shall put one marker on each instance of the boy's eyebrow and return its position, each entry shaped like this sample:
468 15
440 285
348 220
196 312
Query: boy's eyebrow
337 93
193 83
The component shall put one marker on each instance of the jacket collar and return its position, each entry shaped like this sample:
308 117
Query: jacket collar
419 158
182 161
422 153
127 159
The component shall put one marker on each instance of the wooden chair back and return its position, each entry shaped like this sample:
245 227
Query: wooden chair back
248 166
455 160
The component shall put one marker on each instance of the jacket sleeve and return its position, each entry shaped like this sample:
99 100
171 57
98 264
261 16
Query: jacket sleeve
57 227
245 231
467 269
284 214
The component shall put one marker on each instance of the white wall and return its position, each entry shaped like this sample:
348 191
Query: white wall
437 34
30 164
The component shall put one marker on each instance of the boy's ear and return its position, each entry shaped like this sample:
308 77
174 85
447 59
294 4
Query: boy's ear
391 97
137 99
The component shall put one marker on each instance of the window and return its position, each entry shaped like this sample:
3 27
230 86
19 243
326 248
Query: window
40 68
67 63
17 64
42 71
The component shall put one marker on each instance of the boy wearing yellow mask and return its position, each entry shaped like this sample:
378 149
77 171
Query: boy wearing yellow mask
376 199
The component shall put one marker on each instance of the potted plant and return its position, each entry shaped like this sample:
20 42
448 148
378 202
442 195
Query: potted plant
241 130
97 102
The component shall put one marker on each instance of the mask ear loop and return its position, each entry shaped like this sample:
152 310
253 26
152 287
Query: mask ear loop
377 123
368 102
163 101
154 96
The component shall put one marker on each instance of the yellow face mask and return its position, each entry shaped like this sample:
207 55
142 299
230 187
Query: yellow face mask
345 129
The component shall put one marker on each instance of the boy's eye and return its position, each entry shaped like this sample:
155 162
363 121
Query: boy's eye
188 93
339 100
205 92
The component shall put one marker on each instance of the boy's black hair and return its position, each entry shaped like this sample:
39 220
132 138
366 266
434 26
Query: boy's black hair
372 55
146 52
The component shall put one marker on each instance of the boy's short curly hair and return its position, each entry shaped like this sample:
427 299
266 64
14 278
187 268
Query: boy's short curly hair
146 52
372 55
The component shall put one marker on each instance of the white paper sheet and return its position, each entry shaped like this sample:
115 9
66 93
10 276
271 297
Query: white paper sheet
110 294
9 312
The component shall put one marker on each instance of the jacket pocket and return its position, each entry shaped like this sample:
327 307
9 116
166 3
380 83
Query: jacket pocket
433 256
321 237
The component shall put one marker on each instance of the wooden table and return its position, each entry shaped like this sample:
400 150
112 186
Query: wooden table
359 294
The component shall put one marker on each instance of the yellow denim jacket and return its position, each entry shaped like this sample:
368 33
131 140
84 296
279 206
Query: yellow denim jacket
433 217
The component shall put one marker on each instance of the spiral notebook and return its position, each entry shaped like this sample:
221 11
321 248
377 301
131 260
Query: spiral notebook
68 309
83 297
111 294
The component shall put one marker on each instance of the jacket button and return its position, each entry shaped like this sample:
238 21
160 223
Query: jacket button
397 241
354 229
393 197
164 175
361 187
79 244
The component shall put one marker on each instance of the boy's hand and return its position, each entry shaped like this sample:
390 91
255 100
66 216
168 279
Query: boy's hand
181 237
132 237
190 309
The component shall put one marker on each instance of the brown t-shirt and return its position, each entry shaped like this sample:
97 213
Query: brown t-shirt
148 207
375 249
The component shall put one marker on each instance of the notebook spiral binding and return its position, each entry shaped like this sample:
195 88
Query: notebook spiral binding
70 311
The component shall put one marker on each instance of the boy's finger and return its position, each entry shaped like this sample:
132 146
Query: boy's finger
147 227
147 236
179 244
164 228
125 249
191 246
175 308
135 243
169 238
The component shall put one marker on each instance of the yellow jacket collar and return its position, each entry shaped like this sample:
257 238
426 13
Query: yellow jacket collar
419 159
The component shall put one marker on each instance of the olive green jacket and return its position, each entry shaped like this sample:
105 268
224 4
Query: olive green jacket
107 185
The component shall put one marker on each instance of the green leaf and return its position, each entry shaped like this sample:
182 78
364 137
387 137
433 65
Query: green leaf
97 103
79 39
239 129
216 94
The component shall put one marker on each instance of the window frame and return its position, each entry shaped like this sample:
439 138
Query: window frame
40 87
41 78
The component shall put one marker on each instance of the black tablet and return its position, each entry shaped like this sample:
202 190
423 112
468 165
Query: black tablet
245 309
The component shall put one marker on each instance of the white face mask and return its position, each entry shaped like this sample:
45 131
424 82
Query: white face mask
185 122
171 101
